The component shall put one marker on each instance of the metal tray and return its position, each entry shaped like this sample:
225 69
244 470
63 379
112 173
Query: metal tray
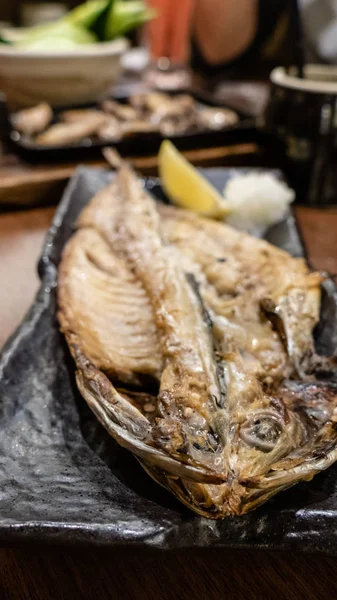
64 480
141 144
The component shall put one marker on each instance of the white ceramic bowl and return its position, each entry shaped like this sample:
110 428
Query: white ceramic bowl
319 79
72 76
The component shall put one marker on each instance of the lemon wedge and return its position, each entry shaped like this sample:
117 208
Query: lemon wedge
186 187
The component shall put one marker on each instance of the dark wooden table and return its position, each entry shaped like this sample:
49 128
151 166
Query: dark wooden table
64 574
40 573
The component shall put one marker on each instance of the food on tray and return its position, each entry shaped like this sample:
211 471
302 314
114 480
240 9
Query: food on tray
122 112
161 106
31 121
68 133
111 130
145 113
85 114
138 126
193 345
217 118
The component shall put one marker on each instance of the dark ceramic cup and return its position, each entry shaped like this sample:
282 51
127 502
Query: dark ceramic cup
301 118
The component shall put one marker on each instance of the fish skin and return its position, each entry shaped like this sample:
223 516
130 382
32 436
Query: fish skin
188 383
85 115
62 133
126 426
222 444
97 361
31 121
251 264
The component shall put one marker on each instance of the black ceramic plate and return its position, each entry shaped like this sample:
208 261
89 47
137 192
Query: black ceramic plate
64 480
138 144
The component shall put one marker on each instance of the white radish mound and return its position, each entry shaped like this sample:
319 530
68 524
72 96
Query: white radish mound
257 200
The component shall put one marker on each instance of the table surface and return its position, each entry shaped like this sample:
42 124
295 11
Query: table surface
36 573
39 574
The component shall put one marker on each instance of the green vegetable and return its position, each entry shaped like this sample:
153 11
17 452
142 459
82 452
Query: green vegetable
53 44
53 35
92 15
88 13
3 40
95 20
99 26
125 16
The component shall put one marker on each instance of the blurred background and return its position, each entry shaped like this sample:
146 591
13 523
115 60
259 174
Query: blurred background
221 39
271 32
14 11
71 54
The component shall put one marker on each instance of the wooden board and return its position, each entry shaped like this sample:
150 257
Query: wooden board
22 184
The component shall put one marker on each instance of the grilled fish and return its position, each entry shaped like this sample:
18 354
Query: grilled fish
193 346
123 112
73 131
80 115
31 121
216 118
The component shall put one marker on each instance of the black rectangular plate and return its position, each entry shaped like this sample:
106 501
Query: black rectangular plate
141 144
64 480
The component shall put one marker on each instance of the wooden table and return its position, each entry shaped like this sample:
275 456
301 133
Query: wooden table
23 184
42 574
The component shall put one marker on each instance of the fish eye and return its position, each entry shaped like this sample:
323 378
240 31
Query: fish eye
261 432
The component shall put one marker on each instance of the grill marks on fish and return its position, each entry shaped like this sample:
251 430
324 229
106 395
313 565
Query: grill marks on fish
221 324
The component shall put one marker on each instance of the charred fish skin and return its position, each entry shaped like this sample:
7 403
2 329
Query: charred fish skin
188 382
182 427
235 413
268 429
88 277
127 424
243 495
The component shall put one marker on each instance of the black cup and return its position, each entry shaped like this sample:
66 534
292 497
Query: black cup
301 118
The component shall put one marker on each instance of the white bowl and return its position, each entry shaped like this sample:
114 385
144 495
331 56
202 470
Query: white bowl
71 76
319 79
